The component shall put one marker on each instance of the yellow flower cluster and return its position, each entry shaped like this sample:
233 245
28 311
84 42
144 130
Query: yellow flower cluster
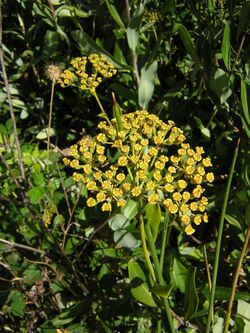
153 16
48 214
77 75
151 162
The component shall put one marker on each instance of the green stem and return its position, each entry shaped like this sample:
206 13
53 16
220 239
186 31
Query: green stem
235 281
219 238
103 113
159 275
165 238
50 118
144 246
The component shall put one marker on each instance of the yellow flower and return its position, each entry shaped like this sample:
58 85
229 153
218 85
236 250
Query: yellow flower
177 196
121 203
182 184
126 187
169 188
91 202
157 175
101 196
197 179
189 230
77 177
210 177
153 198
136 191
185 219
197 219
186 195
122 161
173 209
120 177
91 185
106 207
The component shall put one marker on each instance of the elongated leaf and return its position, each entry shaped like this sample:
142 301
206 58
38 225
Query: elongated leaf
187 41
244 19
71 11
124 238
243 311
226 46
153 214
146 87
210 5
130 210
139 286
223 294
245 98
88 45
118 222
133 38
68 315
179 275
191 298
114 13
133 30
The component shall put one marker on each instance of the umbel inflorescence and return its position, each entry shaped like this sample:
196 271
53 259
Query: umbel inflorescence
147 160
87 72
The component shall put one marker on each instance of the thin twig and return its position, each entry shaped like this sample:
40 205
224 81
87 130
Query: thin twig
18 185
21 246
219 239
235 281
133 52
6 84
69 224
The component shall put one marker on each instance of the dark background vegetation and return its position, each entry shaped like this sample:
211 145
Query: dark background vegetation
70 274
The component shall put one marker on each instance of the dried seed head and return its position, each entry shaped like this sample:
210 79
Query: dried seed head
52 72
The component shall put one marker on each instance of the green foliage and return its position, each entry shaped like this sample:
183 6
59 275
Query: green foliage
67 267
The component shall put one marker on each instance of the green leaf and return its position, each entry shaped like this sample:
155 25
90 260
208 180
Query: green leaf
118 222
17 304
114 13
133 38
179 275
218 327
153 214
226 46
170 6
244 19
125 239
139 286
191 298
130 210
146 87
32 274
133 30
223 294
88 45
35 194
187 41
247 215
71 11
243 311
71 313
245 100
163 291
43 134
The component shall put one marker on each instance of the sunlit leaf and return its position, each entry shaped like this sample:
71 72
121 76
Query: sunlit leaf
191 300
139 286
